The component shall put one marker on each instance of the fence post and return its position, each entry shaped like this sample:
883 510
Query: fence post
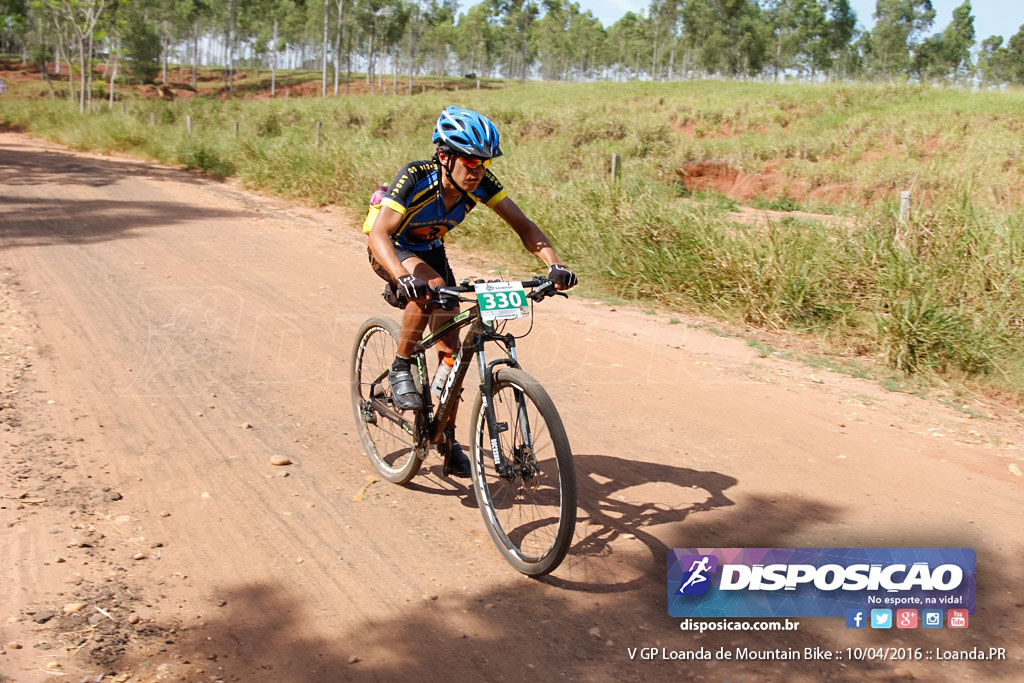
316 137
478 84
615 167
188 124
124 107
152 120
236 129
904 206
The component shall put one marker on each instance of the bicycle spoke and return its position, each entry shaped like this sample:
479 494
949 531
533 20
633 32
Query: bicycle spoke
389 446
531 505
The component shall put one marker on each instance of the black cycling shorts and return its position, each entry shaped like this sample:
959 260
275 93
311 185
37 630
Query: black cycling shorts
435 258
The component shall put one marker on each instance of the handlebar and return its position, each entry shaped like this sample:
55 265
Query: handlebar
542 288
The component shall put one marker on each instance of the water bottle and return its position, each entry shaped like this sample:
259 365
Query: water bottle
378 196
444 368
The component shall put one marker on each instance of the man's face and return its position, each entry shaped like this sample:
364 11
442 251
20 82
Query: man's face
465 177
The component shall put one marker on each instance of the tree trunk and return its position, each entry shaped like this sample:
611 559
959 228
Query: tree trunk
273 62
522 74
323 57
380 65
113 76
88 91
348 61
195 54
337 45
370 63
81 64
231 50
413 25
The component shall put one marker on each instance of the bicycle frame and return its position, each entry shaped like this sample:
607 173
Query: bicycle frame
429 425
472 345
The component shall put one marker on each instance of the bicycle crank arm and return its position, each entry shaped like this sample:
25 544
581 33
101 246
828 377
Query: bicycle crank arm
391 416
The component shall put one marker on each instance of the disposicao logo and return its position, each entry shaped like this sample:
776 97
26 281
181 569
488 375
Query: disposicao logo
697 580
822 582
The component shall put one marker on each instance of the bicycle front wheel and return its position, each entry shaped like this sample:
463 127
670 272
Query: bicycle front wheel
528 501
388 437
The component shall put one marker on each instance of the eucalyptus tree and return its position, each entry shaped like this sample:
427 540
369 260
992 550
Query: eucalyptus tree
568 41
727 37
418 11
898 26
664 20
476 39
586 39
517 17
551 38
800 31
957 41
114 24
338 30
628 46
841 56
189 16
14 25
80 18
947 55
142 46
1013 65
440 34
382 23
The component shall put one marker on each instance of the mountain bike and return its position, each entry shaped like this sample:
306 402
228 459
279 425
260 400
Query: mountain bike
523 473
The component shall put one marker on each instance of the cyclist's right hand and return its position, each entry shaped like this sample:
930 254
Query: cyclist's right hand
413 287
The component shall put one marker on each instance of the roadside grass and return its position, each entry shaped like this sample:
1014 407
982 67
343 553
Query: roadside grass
938 296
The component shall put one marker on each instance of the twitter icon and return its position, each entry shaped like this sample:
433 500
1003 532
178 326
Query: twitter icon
881 618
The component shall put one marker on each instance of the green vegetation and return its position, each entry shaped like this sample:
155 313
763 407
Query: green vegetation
938 295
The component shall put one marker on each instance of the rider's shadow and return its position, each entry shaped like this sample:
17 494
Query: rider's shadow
618 500
433 482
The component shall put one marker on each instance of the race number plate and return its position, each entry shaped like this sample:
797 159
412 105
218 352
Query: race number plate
502 300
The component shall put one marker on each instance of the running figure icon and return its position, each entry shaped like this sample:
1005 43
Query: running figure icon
697 570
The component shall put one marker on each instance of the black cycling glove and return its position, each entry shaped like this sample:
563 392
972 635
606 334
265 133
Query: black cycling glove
562 276
413 287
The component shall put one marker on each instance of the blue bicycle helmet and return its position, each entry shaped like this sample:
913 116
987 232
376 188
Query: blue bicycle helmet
465 132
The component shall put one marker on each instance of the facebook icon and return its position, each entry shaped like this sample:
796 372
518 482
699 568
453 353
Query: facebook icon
856 618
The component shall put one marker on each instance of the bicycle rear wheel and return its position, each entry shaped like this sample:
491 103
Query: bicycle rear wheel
387 434
530 508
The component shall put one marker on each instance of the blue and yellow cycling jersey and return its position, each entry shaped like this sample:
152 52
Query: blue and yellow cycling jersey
415 193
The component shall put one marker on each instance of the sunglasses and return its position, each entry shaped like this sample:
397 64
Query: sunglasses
475 162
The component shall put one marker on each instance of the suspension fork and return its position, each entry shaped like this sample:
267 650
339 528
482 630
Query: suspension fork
494 428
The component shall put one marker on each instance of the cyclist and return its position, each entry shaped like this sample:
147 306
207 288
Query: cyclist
406 247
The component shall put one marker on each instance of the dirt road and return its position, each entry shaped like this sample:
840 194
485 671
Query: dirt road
163 336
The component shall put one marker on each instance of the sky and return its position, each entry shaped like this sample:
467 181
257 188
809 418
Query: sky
991 17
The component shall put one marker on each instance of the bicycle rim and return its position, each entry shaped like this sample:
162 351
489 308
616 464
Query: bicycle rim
388 445
530 513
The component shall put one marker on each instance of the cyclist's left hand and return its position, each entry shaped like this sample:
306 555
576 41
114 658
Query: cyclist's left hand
562 277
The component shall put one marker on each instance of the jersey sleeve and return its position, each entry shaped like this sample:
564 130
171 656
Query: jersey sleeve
490 191
399 195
